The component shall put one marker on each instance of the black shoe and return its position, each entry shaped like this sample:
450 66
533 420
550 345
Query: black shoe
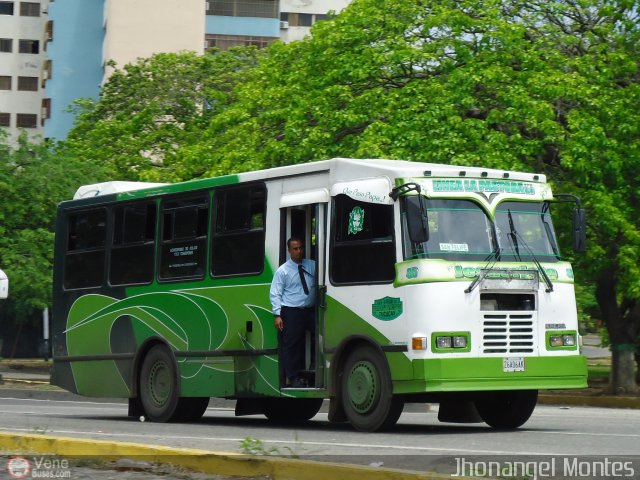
299 383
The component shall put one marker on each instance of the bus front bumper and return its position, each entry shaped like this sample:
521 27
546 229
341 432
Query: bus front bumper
478 374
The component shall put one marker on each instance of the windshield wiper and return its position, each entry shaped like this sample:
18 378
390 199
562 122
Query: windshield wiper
547 229
515 236
495 256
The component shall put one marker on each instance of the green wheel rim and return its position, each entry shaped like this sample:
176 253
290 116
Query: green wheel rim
363 386
160 383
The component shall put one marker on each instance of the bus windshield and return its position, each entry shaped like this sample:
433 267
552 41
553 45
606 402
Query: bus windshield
524 229
461 230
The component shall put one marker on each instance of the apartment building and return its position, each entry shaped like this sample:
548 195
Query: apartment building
90 33
24 31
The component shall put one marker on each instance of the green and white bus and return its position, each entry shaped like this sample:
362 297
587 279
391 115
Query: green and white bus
436 283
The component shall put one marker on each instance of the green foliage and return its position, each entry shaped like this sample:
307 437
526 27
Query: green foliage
33 180
255 446
148 110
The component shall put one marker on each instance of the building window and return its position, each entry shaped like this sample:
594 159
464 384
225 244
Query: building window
302 19
225 42
29 46
6 8
28 84
46 110
46 71
238 237
5 82
5 119
6 45
30 9
27 120
243 8
48 29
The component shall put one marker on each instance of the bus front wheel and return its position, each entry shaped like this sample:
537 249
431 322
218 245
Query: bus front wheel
366 391
506 410
159 394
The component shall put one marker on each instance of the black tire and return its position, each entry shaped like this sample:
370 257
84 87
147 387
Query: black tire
190 409
291 410
159 393
506 410
366 391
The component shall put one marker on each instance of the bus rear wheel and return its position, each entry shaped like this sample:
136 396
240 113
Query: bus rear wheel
366 391
291 410
506 410
159 394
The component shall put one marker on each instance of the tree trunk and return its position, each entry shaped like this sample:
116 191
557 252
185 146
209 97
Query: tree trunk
623 367
622 379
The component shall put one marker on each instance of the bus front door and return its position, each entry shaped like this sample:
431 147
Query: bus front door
308 222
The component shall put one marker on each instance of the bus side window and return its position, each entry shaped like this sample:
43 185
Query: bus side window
363 246
237 245
183 250
132 252
85 253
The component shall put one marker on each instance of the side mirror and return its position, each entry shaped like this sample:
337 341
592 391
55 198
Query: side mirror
579 229
4 285
417 220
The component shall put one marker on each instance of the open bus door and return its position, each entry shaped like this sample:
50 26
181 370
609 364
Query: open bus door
308 222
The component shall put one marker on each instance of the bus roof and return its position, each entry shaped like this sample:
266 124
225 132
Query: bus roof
106 188
339 169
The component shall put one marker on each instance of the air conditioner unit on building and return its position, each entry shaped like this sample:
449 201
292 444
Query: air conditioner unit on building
284 25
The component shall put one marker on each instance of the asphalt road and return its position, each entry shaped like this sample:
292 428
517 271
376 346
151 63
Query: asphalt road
419 442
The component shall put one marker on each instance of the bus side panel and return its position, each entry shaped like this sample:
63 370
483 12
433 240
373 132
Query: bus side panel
342 322
227 324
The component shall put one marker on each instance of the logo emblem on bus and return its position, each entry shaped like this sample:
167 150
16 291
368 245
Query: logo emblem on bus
356 220
387 308
412 272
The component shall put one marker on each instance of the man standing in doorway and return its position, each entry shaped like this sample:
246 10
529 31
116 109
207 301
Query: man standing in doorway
292 300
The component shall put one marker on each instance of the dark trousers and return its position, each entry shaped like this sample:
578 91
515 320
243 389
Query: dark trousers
297 321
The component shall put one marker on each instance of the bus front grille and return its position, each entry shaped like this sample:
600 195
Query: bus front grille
508 333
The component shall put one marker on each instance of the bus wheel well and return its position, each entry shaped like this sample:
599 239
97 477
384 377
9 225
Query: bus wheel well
348 345
147 345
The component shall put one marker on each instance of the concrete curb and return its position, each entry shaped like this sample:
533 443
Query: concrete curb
220 463
589 401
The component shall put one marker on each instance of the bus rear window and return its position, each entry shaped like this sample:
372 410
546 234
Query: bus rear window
85 256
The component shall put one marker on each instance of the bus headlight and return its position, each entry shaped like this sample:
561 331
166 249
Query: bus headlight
447 342
459 342
555 340
567 340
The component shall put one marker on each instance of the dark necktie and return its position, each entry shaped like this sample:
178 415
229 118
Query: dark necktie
304 282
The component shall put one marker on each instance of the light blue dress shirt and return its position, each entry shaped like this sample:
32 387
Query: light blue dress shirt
286 287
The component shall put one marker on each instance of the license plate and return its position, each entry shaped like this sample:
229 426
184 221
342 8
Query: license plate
513 364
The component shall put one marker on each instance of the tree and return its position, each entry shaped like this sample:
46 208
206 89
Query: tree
543 86
33 180
147 111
